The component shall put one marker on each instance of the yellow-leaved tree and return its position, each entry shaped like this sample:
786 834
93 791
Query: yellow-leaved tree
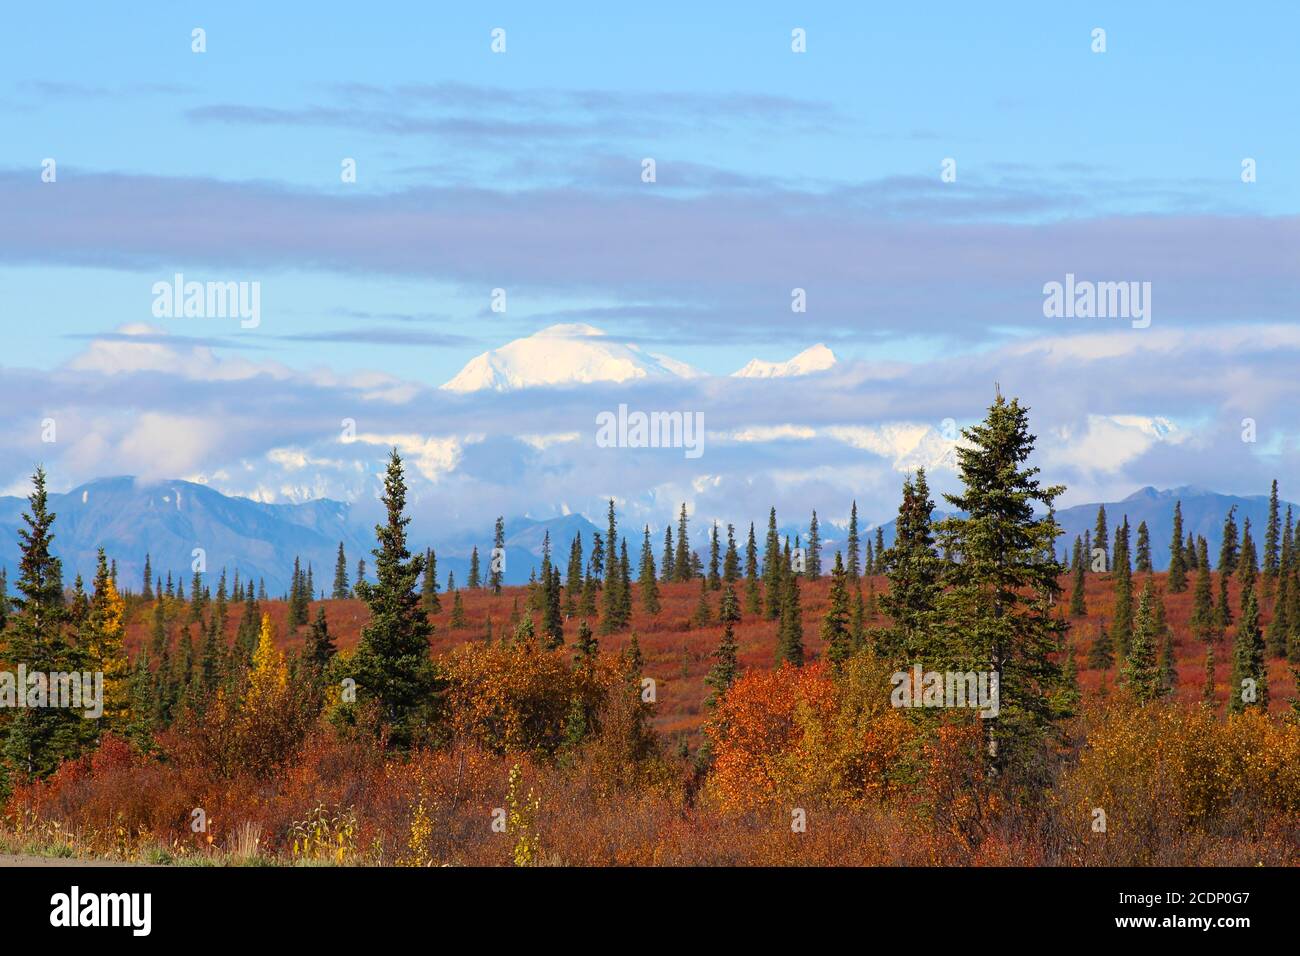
104 645
272 719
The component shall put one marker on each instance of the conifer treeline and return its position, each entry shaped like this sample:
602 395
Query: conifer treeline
975 591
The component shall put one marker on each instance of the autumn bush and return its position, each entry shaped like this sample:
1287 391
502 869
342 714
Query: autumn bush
1164 783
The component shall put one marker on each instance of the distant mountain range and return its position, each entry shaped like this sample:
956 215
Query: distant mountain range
1203 514
168 520
576 353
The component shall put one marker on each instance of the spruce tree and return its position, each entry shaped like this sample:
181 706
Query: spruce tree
1101 536
342 590
998 602
703 615
814 564
1101 654
1279 628
1122 628
1202 617
1272 538
682 559
1228 548
1142 563
853 546
731 562
1247 561
647 579
38 738
429 599
726 658
772 569
1142 668
1177 564
457 620
552 619
475 579
915 571
1249 671
574 582
596 563
611 544
1078 600
392 663
319 648
715 559
753 593
147 591
789 645
495 572
666 570
836 631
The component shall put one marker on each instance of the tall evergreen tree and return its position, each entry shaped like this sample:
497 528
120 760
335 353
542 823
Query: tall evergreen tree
574 582
731 562
998 602
682 559
1143 561
789 646
1228 549
475 578
342 590
753 593
497 567
1272 540
1122 629
647 579
853 546
1280 627
715 559
772 572
1142 669
1101 536
319 647
552 619
1249 671
666 570
726 658
915 578
1202 617
392 663
147 591
1078 600
36 738
1177 564
703 615
611 542
596 563
836 631
814 564
429 599
1247 561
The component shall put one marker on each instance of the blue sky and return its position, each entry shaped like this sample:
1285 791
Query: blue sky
775 170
